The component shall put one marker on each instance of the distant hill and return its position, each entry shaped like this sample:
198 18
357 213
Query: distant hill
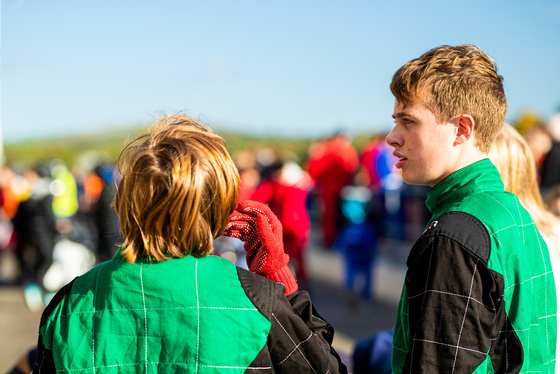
89 148
106 145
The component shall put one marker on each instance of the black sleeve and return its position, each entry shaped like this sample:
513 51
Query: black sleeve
45 361
455 301
299 340
550 167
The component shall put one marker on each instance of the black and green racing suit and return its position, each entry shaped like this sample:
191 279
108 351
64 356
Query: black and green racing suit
479 293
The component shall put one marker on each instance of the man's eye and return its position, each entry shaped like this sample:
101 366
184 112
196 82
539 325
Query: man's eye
407 121
402 121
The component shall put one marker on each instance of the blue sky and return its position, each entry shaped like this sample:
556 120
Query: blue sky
302 68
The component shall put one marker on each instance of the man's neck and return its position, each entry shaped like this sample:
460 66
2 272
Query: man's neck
467 157
469 154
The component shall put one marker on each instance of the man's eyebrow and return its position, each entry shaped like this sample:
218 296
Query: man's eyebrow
400 115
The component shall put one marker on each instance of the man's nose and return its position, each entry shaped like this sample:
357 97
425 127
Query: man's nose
392 138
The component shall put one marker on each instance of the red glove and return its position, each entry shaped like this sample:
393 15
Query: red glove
256 225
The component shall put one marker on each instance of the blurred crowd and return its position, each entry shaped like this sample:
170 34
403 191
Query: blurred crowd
57 220
56 223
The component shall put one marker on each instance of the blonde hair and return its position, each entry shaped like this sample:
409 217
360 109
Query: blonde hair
453 81
513 158
179 186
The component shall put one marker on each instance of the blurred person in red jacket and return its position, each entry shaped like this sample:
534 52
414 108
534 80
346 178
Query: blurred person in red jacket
286 190
331 165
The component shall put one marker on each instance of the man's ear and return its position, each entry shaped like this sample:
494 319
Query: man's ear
465 129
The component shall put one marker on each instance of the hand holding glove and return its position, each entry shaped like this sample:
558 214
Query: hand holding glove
256 225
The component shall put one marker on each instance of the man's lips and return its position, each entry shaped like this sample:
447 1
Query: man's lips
401 159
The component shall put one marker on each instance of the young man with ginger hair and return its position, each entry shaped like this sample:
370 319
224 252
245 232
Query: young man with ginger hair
479 293
163 303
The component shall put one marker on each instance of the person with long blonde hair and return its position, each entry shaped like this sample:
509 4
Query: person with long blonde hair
514 160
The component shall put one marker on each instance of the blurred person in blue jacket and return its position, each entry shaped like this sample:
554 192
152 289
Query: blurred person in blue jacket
357 240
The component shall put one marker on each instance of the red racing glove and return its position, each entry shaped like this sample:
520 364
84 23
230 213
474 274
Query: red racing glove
256 225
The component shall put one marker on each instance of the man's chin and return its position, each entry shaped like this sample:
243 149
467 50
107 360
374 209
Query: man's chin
410 179
407 178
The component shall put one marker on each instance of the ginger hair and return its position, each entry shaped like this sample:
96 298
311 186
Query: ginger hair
178 188
454 81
